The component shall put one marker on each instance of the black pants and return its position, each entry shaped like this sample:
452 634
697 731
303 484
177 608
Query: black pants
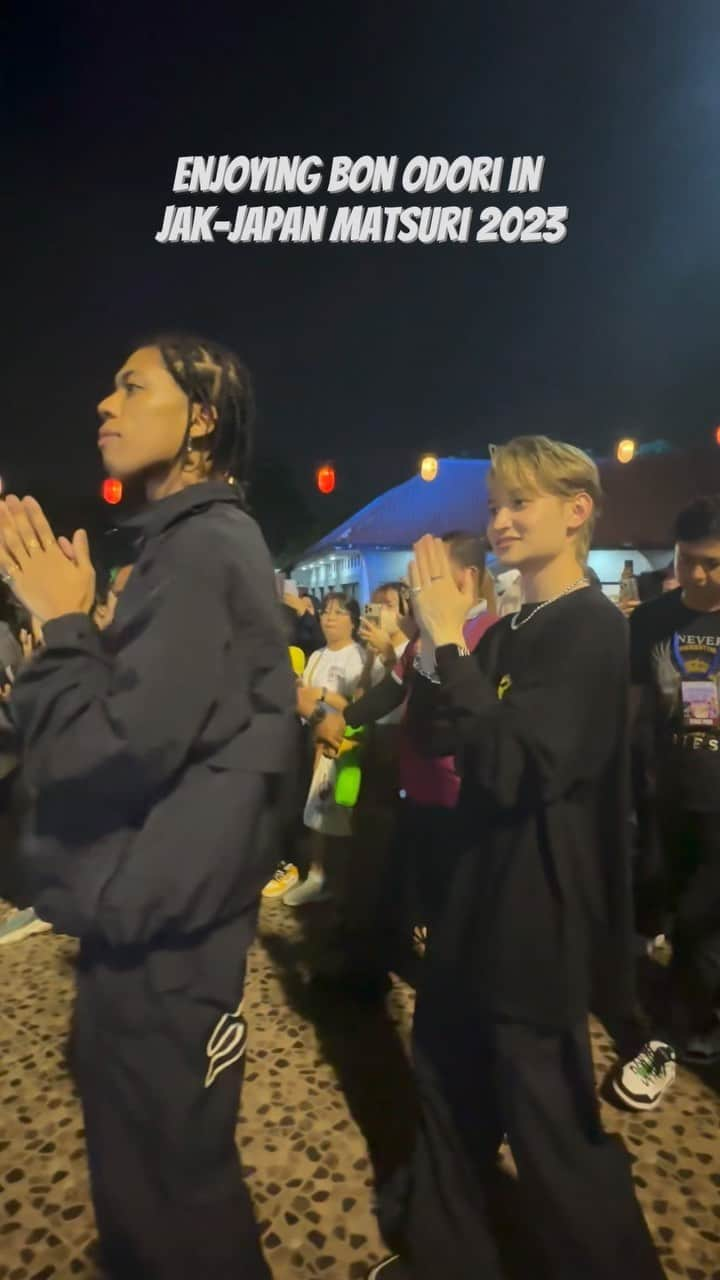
649 879
158 1054
692 851
480 1079
13 877
430 837
292 845
405 883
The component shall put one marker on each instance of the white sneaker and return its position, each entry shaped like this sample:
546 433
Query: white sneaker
392 1267
22 924
311 890
644 1081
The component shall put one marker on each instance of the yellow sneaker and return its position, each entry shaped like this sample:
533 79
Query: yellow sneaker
285 878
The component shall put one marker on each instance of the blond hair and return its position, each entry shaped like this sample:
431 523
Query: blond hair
549 466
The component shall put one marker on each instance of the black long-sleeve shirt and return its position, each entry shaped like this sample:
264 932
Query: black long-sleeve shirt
148 749
539 915
379 701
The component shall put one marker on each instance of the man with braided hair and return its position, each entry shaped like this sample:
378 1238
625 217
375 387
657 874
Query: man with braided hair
155 752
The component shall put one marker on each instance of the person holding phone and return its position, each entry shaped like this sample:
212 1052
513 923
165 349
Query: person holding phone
381 628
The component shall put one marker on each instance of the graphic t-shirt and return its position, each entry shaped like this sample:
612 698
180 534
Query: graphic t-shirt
675 652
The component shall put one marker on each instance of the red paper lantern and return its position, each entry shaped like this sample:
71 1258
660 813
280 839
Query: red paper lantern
717 435
325 478
112 491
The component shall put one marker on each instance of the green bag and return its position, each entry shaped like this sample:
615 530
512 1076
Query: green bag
348 773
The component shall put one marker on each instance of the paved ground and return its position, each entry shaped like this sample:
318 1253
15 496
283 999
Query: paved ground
328 1101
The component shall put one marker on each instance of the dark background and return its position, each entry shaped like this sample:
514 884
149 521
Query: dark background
365 354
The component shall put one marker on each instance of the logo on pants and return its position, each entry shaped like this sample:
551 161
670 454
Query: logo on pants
226 1044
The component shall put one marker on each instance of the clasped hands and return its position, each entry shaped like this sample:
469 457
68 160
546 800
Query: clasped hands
440 608
50 576
439 605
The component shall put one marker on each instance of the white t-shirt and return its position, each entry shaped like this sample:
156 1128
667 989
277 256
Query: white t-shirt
337 670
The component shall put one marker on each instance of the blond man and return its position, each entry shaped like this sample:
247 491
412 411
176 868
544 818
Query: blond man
537 919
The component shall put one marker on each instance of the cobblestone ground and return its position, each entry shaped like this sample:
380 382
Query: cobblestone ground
327 1103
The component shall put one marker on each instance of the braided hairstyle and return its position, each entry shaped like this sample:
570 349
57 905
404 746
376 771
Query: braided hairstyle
213 377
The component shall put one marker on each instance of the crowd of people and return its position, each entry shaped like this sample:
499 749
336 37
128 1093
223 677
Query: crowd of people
504 770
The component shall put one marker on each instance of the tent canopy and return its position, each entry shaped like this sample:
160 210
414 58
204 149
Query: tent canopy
642 499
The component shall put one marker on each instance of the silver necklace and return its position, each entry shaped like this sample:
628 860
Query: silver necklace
516 622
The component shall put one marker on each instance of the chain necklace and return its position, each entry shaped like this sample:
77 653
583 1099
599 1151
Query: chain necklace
516 622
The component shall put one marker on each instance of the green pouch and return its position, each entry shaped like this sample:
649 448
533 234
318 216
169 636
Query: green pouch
348 774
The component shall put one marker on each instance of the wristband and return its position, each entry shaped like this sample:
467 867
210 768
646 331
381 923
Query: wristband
461 650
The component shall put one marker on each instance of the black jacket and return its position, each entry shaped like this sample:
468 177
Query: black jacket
304 632
152 752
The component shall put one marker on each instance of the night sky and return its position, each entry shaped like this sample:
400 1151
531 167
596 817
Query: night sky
368 354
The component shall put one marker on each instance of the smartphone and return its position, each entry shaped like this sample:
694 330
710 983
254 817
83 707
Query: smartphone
290 587
373 613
